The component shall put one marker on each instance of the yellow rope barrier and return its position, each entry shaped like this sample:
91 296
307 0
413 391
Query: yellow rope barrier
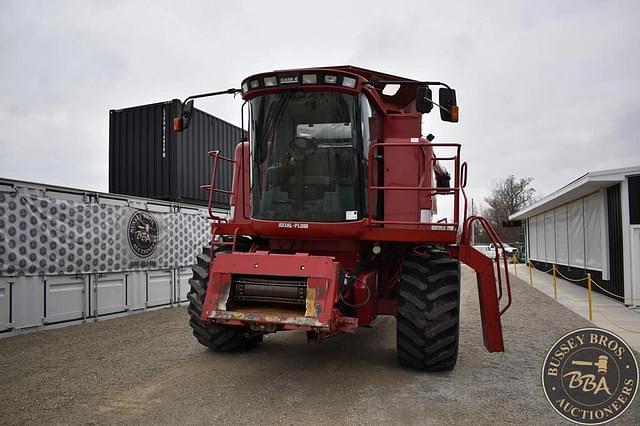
607 291
571 279
616 324
590 283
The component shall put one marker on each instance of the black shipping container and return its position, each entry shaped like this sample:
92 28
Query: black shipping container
148 159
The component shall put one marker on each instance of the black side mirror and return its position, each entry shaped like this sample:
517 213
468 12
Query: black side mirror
182 122
449 108
424 100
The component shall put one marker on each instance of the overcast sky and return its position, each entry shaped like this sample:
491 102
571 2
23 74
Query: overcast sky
548 90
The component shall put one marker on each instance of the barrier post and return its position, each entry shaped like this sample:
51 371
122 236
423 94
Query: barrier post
530 276
515 266
555 284
590 300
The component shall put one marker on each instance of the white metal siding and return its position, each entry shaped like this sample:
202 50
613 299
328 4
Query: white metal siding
5 307
542 249
533 242
550 241
27 302
562 235
570 235
109 294
66 298
184 275
593 231
576 234
159 288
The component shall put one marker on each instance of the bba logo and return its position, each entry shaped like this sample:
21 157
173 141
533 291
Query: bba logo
590 376
143 234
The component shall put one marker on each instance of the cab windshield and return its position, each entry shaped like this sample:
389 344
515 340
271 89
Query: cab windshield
306 157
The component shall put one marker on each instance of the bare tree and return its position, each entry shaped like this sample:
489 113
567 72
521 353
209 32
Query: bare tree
508 196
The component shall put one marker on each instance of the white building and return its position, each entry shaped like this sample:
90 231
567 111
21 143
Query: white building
590 225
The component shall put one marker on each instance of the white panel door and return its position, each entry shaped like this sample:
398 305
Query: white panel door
137 290
542 250
65 298
533 239
5 305
109 295
159 287
184 275
562 235
27 304
593 231
576 233
550 237
633 296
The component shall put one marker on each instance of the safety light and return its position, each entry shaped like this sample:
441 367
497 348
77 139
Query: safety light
330 79
270 81
245 88
349 82
254 84
455 113
309 79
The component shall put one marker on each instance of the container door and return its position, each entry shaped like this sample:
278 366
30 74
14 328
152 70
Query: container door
109 294
27 302
5 305
184 275
159 288
65 298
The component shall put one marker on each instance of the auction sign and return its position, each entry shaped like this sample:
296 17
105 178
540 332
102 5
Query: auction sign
590 376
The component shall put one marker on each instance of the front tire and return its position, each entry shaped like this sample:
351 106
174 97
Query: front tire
218 338
428 311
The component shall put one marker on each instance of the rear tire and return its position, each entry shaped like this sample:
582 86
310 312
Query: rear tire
428 311
218 338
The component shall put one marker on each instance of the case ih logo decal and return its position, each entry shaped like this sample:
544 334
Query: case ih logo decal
289 80
293 225
590 376
143 234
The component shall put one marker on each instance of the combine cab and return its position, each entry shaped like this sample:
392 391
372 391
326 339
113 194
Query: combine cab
332 219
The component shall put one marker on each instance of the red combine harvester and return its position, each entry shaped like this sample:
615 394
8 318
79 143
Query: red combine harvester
331 223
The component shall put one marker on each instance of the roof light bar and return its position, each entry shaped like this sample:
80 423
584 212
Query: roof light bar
330 79
270 81
309 79
349 82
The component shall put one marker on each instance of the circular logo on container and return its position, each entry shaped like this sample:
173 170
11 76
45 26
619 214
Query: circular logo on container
590 376
143 234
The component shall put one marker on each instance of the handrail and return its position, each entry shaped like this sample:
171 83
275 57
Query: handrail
211 187
497 243
454 190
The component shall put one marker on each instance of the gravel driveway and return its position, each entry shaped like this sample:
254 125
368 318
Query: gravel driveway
148 369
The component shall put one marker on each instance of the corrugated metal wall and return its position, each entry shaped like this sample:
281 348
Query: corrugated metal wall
205 133
148 159
139 161
616 256
634 200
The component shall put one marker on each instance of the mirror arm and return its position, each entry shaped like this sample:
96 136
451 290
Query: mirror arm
438 105
231 91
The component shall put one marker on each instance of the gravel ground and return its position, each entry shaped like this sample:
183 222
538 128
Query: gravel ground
148 369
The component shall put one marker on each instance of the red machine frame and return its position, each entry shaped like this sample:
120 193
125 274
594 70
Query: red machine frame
323 272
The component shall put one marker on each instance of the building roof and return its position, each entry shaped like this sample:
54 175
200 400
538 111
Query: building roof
586 184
